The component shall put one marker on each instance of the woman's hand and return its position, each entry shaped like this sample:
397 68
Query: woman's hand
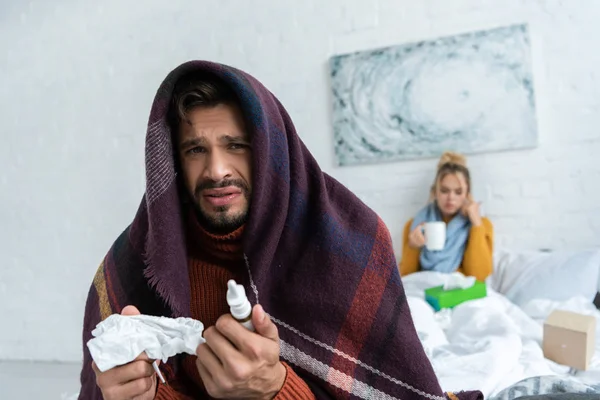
416 239
471 210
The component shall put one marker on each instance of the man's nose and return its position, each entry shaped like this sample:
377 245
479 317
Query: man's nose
217 167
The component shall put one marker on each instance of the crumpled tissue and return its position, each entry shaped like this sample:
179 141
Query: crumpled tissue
457 280
119 339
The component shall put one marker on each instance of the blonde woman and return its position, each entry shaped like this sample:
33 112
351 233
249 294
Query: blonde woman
469 236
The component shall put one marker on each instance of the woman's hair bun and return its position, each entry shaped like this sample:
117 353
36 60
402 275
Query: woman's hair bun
450 157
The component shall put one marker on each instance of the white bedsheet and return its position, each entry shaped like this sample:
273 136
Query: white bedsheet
489 344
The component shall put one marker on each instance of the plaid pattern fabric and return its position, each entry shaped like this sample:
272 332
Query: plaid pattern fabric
319 261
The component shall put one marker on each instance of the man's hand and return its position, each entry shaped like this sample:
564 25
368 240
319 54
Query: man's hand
136 380
235 363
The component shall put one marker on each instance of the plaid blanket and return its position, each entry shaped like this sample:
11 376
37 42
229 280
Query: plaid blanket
318 260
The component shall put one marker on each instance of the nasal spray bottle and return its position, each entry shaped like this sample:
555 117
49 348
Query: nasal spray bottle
239 305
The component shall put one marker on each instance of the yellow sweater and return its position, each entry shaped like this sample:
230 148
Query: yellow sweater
477 260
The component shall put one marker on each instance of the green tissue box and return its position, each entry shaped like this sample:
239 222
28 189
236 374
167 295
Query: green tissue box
439 298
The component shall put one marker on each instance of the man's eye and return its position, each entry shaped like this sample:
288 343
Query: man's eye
196 150
237 146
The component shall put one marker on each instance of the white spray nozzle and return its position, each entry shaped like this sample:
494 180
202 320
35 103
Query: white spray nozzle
238 302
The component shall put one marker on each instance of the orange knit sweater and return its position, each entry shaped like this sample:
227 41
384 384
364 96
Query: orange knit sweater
212 261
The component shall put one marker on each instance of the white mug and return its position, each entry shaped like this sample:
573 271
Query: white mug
435 235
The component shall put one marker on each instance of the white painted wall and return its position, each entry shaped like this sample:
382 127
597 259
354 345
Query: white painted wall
77 79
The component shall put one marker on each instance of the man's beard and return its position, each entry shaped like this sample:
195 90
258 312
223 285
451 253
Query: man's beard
219 220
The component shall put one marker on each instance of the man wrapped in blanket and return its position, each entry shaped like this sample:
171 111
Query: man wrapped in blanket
233 193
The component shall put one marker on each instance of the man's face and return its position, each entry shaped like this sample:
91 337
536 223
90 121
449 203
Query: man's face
216 159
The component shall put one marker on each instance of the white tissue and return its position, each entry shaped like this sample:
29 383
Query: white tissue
459 281
119 339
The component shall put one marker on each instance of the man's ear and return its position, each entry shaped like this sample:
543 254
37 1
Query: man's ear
184 195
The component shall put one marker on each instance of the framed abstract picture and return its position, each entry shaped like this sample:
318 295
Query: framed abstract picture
470 93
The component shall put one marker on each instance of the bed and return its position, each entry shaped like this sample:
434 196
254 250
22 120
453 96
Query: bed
494 344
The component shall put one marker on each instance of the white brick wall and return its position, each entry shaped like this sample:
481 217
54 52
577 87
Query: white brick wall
78 78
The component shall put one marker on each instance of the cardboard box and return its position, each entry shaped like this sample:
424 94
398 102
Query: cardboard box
569 338
439 298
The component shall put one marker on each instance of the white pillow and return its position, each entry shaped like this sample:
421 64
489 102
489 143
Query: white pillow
558 276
